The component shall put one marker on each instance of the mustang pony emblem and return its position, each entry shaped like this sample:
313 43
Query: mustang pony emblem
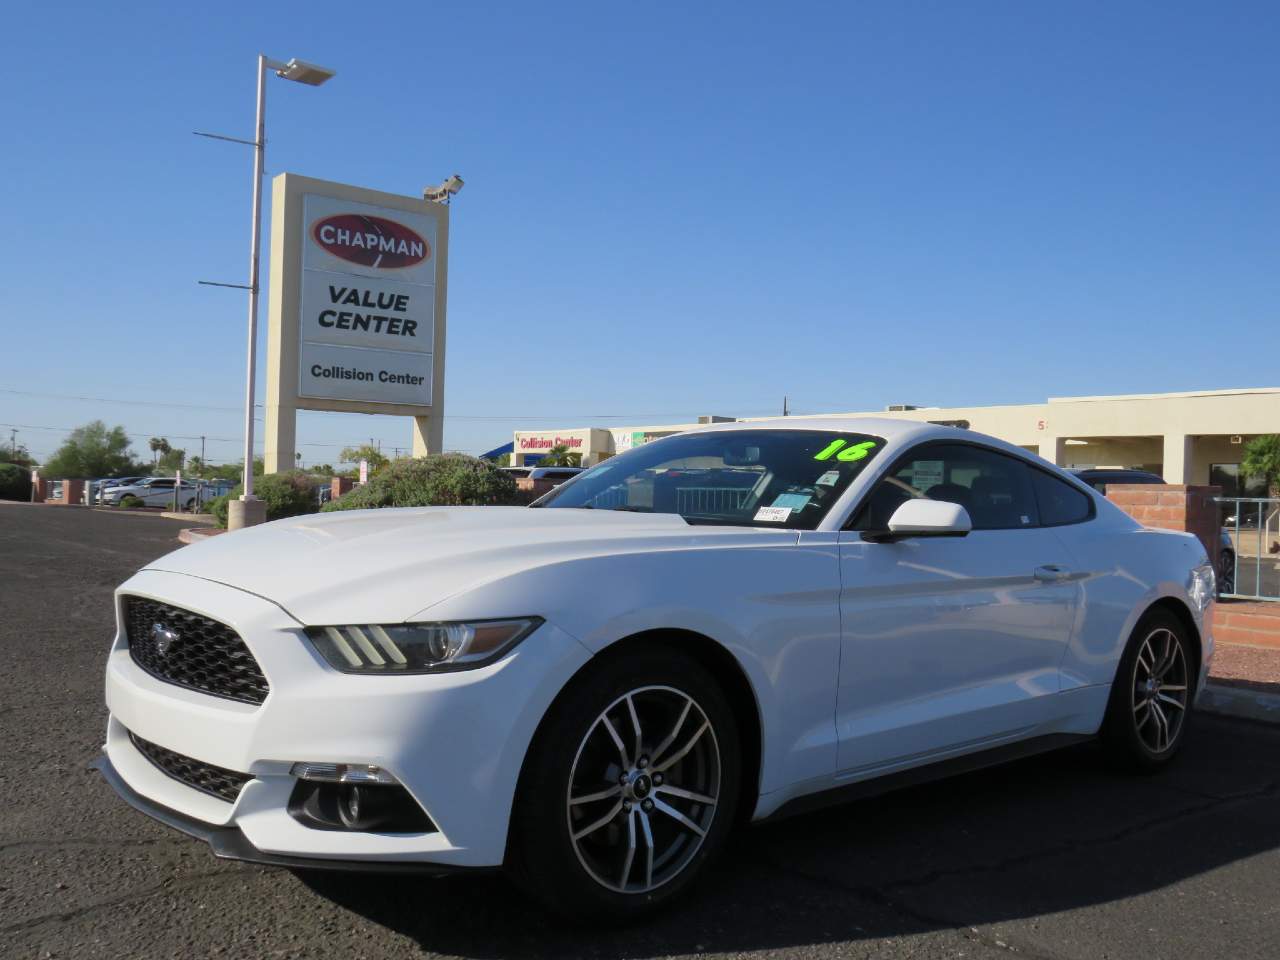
164 638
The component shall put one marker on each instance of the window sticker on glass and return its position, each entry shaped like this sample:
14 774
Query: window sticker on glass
845 454
828 479
773 514
792 501
926 473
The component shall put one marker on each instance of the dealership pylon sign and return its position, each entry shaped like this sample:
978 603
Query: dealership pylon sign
357 309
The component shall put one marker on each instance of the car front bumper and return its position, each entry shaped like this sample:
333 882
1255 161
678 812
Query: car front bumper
455 741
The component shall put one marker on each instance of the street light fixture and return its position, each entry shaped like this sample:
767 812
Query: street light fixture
251 510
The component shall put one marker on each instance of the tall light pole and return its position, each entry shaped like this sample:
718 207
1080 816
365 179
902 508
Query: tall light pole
250 509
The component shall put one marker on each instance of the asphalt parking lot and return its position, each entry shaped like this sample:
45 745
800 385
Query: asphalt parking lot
1054 857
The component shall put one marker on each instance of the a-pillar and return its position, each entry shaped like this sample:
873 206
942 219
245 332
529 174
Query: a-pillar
1177 458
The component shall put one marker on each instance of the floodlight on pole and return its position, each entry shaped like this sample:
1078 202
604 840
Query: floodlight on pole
300 72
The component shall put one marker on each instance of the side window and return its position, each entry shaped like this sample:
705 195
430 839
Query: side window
1059 502
995 489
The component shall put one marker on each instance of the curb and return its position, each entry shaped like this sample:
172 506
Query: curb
1240 702
206 518
198 534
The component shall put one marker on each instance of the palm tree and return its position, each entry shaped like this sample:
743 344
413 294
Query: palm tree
159 446
559 456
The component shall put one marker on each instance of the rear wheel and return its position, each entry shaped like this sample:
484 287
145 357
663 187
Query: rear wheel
629 790
1150 703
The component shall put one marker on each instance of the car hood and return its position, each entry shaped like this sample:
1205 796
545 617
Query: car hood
391 564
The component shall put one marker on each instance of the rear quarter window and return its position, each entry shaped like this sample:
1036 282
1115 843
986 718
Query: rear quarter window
1060 503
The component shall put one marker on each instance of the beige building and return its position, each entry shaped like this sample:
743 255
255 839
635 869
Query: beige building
1193 437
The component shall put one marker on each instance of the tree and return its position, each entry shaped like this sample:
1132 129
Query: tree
158 445
92 450
1262 459
560 457
16 453
172 460
367 452
196 467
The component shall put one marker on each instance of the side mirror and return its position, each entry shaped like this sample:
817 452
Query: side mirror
923 518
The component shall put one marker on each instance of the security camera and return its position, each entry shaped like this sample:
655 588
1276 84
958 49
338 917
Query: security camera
444 191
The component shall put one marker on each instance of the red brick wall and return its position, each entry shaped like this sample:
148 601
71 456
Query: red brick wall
1173 506
340 485
1251 624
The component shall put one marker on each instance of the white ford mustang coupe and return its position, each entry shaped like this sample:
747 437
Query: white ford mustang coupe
725 625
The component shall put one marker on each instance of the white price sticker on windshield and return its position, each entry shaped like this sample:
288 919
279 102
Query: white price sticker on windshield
774 514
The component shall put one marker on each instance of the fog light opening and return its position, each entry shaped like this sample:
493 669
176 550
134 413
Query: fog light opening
355 798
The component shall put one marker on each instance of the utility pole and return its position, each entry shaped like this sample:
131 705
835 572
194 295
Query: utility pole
13 443
202 449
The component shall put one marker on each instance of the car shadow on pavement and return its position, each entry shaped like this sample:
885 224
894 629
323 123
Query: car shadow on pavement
1049 834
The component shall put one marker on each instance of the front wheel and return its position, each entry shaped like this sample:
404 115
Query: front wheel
1150 703
629 790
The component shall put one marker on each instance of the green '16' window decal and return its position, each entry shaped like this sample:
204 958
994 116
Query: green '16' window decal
849 454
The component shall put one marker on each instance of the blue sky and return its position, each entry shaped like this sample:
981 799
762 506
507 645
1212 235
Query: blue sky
671 209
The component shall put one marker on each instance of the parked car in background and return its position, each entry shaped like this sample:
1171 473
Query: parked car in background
593 691
103 486
1099 478
153 492
557 474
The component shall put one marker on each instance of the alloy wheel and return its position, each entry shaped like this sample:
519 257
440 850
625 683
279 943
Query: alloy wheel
1160 690
643 790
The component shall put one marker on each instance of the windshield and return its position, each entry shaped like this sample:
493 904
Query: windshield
751 478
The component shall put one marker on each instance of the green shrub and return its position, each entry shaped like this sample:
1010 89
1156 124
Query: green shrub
286 495
15 482
217 507
130 502
445 479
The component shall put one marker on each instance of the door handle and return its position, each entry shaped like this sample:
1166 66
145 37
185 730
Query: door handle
1051 573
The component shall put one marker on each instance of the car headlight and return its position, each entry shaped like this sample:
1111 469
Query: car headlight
419 647
1202 585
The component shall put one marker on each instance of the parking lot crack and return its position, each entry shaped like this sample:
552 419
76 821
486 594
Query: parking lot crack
878 897
104 903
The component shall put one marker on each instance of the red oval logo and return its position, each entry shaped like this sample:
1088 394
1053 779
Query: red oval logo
370 241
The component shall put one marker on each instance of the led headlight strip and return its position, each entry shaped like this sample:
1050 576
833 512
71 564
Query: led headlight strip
419 647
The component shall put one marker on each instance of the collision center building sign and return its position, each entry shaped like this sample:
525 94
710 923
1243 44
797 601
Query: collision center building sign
367 303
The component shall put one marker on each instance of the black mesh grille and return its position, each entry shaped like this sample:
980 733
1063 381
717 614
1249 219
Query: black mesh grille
197 652
205 777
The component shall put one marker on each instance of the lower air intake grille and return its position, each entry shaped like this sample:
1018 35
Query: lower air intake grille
205 777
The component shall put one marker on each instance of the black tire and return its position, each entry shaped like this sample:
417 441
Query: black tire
1227 572
553 854
1144 729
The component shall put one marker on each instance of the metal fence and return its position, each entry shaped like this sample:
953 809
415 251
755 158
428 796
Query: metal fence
1249 565
710 499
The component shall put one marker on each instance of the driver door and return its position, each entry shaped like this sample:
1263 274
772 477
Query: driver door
950 644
